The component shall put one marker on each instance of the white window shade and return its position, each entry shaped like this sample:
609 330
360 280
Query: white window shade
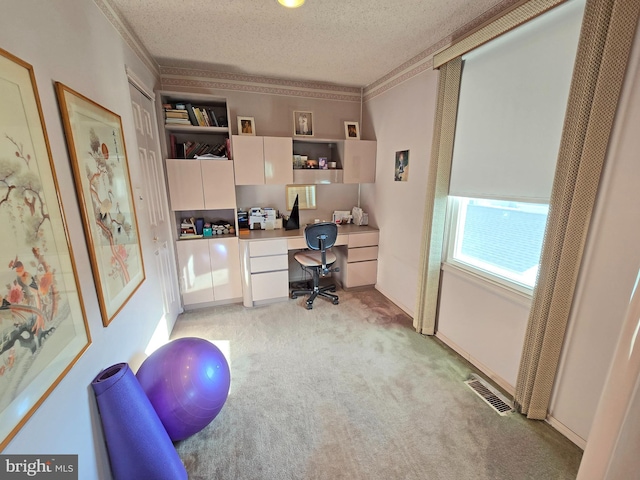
513 97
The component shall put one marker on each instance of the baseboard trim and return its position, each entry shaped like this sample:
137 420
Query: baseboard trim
566 431
502 383
396 302
493 376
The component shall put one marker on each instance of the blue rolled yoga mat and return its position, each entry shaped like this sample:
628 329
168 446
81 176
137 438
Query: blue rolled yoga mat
138 444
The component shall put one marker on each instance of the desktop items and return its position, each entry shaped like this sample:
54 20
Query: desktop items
243 219
262 218
293 222
342 217
359 217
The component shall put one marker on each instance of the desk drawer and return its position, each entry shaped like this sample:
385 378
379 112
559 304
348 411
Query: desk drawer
297 243
363 239
301 243
269 286
261 248
269 264
362 254
360 274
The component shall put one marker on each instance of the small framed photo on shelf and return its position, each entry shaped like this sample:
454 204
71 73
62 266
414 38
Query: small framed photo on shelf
246 126
351 131
322 163
303 124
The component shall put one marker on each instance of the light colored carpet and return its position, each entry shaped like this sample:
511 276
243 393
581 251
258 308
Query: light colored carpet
351 391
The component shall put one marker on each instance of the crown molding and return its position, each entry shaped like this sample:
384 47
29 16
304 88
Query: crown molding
127 34
424 60
188 77
195 76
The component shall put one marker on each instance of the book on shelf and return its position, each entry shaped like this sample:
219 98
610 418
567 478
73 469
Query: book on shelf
207 120
172 145
177 121
192 115
189 150
196 115
176 114
199 116
212 115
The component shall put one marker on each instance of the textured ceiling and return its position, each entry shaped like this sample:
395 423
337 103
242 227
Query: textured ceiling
343 42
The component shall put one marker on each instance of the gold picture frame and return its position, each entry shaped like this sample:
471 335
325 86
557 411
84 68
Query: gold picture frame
98 156
43 324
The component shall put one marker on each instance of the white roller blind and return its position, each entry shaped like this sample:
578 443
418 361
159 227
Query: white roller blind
513 98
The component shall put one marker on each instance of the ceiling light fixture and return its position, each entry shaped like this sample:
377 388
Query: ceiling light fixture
291 3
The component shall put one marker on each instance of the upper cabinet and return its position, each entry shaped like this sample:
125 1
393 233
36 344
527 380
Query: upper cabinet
263 160
358 161
278 163
200 184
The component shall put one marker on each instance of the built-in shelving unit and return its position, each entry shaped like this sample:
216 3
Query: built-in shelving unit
201 187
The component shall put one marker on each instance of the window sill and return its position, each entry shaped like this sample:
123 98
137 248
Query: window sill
486 282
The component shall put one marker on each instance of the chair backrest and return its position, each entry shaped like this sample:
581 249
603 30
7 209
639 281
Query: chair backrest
326 231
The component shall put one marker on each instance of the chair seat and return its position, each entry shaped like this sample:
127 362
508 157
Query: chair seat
313 258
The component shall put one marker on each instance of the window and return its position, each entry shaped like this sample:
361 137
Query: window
501 240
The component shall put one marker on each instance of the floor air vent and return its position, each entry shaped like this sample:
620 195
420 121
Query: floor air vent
491 397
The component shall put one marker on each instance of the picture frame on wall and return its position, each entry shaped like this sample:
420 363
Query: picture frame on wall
401 171
43 324
101 171
246 126
303 124
351 131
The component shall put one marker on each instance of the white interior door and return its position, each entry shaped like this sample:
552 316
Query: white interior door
156 199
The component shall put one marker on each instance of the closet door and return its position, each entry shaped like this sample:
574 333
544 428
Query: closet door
155 197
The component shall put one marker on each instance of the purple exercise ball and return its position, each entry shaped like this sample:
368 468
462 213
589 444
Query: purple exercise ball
187 381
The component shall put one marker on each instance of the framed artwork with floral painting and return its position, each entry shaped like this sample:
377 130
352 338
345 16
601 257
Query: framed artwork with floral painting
43 326
101 171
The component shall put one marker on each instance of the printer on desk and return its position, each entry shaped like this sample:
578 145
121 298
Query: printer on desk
262 218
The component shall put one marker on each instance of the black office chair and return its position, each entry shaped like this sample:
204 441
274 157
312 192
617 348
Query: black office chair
319 237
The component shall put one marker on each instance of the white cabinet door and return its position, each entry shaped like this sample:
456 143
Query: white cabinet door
217 184
248 156
225 268
185 184
270 286
359 162
278 160
196 283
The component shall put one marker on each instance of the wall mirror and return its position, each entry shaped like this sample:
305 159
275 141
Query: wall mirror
306 196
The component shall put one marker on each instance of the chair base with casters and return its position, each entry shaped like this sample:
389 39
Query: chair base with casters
313 260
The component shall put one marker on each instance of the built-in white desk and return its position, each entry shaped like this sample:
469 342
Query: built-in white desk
264 260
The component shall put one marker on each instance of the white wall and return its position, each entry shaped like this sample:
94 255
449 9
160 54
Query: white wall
484 323
611 261
72 42
400 119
